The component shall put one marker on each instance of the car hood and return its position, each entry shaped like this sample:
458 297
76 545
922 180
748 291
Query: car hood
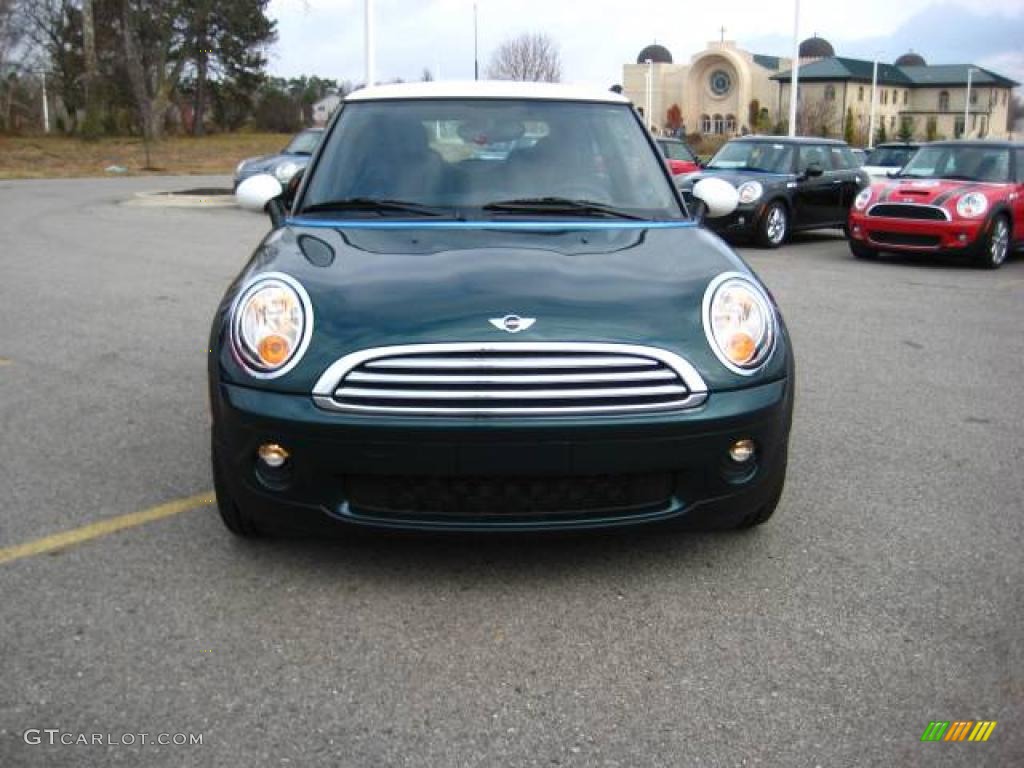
736 178
269 162
941 192
374 287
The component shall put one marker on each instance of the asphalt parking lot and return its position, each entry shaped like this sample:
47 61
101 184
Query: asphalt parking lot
887 592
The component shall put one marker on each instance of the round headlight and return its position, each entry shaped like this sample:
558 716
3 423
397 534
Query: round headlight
750 191
972 205
285 171
271 324
863 198
739 322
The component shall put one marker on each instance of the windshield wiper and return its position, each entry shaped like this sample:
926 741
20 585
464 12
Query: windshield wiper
558 205
377 205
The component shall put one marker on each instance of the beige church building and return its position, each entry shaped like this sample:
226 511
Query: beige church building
727 91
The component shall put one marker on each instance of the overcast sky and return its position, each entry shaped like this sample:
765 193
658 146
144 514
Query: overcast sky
325 37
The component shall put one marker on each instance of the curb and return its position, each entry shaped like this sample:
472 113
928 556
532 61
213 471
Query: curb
181 200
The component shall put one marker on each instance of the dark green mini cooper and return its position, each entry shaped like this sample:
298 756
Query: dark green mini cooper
486 307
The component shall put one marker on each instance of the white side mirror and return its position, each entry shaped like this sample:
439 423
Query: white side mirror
254 193
720 197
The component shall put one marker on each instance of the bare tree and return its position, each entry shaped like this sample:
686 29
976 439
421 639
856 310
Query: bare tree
533 57
816 117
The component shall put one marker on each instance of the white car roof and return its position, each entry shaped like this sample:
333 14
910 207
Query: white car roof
486 89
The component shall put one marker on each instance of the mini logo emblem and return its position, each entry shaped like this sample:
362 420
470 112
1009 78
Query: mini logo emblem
513 323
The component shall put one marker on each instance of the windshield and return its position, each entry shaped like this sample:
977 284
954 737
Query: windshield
754 156
474 157
894 157
970 163
304 143
675 150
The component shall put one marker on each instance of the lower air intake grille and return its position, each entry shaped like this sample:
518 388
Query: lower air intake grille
508 379
611 495
903 238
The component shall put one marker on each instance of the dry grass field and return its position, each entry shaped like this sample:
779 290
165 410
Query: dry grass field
44 157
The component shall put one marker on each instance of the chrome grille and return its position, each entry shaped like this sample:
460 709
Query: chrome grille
909 211
510 378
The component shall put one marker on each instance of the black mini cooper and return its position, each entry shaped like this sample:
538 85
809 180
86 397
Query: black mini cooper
785 185
486 307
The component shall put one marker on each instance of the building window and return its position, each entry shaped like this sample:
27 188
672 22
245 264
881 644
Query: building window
984 127
958 127
719 124
906 97
892 122
705 124
895 96
885 97
943 101
720 82
730 124
830 93
974 96
860 93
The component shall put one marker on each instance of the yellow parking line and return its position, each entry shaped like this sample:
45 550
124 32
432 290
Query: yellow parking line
102 528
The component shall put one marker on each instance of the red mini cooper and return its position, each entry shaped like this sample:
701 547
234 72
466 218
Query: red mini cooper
953 197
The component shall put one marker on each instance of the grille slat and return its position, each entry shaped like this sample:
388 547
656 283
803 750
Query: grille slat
511 394
515 363
511 378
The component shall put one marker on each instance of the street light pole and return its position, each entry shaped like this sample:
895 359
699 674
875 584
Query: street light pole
650 92
967 102
476 45
370 52
794 77
874 100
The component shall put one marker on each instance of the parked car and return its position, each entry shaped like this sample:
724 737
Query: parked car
539 340
286 163
861 155
964 198
785 185
889 158
681 159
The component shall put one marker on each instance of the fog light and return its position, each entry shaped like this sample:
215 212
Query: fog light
857 231
273 455
962 237
742 451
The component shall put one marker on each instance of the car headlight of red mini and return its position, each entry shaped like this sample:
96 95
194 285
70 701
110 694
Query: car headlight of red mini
271 325
972 205
739 322
863 198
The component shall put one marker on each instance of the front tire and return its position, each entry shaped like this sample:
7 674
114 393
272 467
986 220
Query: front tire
235 518
773 228
995 244
860 251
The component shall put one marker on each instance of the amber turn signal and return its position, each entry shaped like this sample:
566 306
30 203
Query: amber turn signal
274 349
741 348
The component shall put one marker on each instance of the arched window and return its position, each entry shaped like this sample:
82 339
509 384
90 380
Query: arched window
730 124
705 124
830 93
719 124
943 101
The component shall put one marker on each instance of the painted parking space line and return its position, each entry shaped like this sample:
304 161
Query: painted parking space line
103 528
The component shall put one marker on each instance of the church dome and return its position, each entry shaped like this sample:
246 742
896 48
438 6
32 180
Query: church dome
816 48
911 59
657 53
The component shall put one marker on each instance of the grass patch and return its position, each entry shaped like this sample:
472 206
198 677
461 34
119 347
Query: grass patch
53 157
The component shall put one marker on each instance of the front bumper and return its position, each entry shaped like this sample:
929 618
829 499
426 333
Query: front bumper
915 236
741 223
334 455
